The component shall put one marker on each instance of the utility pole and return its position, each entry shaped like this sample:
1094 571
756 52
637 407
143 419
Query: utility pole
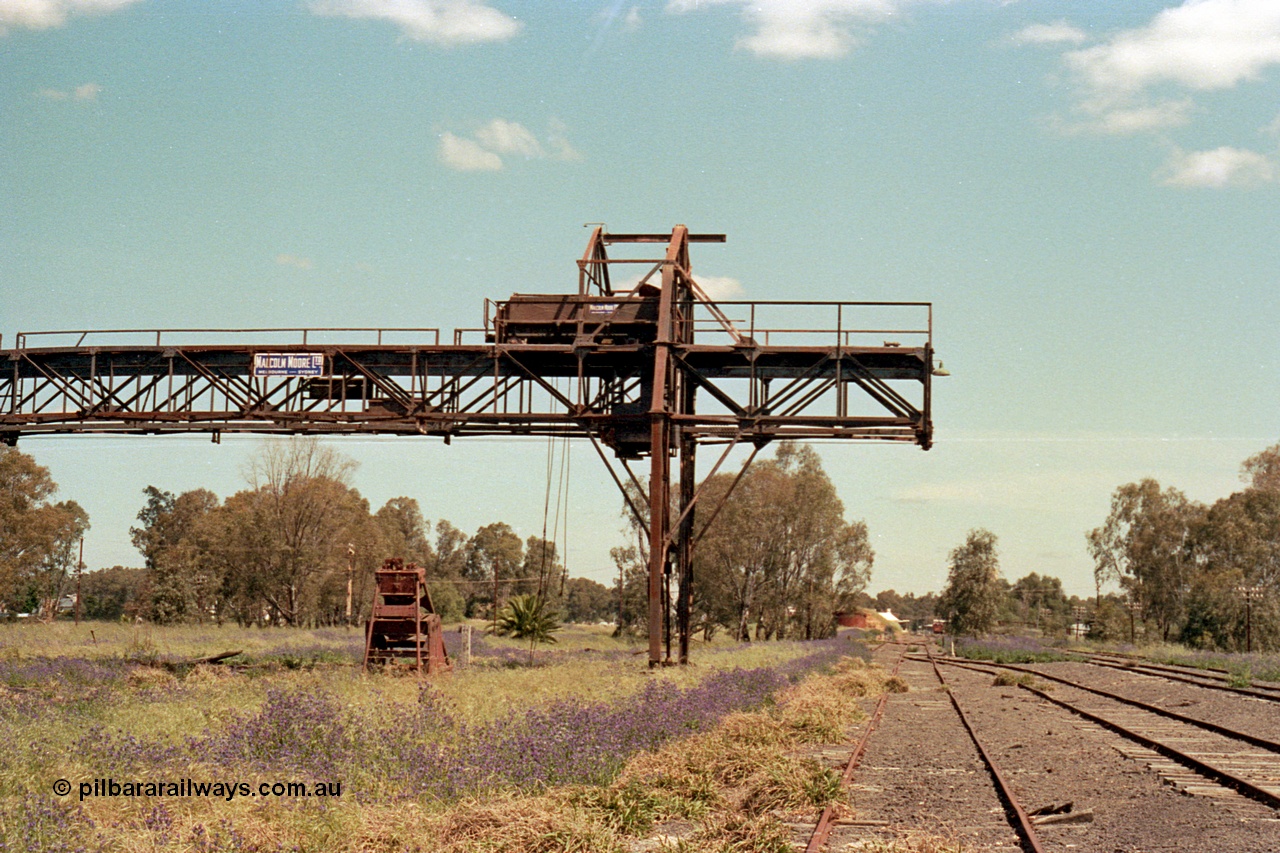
351 571
1250 594
79 572
1135 612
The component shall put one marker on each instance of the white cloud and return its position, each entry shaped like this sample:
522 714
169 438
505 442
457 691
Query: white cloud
801 29
1202 44
719 287
1059 32
1221 167
444 22
1107 116
466 155
1128 83
558 140
498 138
632 20
85 92
508 137
43 14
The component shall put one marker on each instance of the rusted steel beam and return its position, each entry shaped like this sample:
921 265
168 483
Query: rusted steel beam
661 408
663 238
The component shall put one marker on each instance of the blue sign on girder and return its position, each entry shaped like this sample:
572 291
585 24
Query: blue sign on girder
288 364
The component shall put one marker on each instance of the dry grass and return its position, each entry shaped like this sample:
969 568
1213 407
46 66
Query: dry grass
523 825
1014 679
732 782
737 833
735 784
747 774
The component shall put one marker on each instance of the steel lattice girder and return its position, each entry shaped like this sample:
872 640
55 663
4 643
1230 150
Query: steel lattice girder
452 389
621 367
458 390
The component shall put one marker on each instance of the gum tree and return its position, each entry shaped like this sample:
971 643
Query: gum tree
1145 544
781 553
974 587
37 536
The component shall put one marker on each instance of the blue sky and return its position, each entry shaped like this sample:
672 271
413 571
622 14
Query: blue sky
1087 191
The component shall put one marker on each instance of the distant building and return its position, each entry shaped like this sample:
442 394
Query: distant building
891 621
852 620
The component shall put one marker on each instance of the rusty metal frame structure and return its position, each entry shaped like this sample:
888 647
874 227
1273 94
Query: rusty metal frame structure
637 395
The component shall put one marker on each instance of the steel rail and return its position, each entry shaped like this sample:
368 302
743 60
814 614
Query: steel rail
1155 671
1222 777
1140 659
1211 673
1253 740
1017 815
820 832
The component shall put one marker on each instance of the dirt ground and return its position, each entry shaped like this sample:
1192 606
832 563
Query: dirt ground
922 777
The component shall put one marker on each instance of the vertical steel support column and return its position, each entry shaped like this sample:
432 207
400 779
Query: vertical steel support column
660 438
686 391
659 502
684 537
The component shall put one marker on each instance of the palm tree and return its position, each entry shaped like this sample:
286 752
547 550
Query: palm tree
526 617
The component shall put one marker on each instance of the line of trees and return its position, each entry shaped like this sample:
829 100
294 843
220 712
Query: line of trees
977 598
281 551
278 552
1206 575
39 538
778 561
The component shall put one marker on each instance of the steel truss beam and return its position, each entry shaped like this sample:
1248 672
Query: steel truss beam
637 395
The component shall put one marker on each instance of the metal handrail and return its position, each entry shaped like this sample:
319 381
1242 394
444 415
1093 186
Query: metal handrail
21 338
749 326
844 336
458 333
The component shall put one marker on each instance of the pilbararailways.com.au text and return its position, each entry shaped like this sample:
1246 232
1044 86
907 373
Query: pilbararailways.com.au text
189 788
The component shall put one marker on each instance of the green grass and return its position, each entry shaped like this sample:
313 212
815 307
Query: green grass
1011 651
159 706
1242 667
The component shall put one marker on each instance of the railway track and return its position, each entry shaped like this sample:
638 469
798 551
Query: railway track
1211 679
822 831
1199 757
1001 824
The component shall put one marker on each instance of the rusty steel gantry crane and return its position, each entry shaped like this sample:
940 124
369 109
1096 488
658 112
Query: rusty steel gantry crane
619 365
